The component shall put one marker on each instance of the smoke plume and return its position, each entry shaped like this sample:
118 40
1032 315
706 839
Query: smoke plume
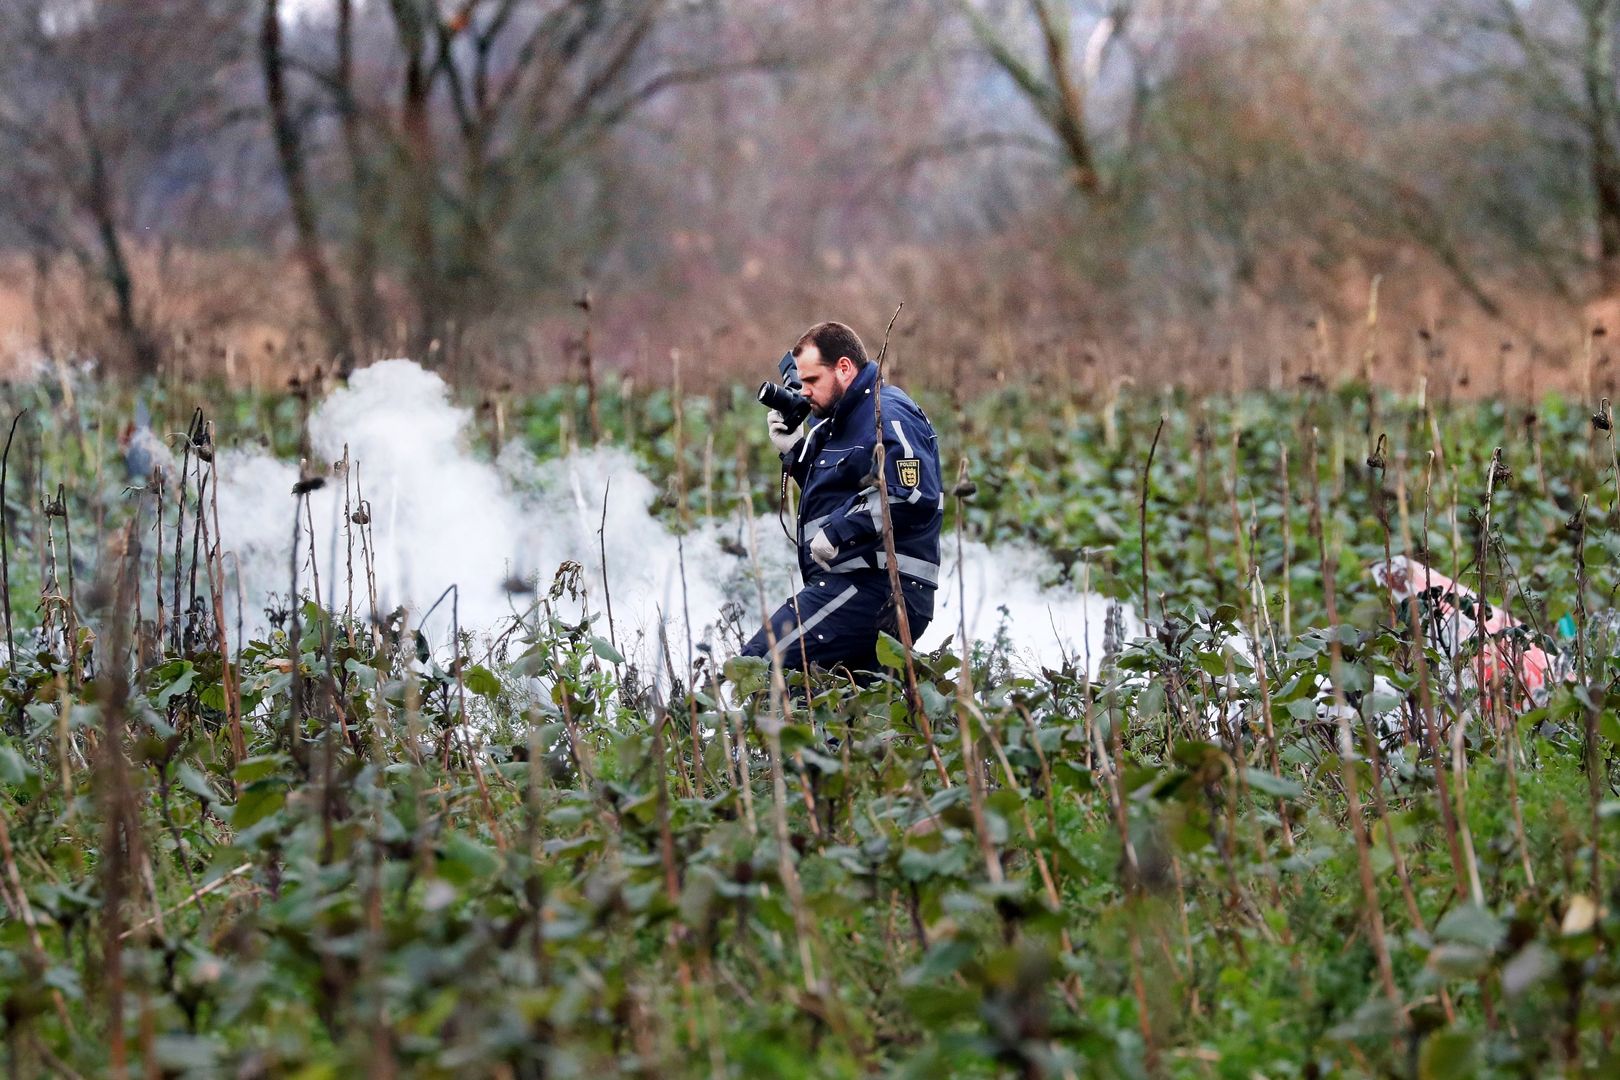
442 516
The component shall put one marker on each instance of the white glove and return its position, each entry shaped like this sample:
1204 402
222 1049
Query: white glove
822 549
782 437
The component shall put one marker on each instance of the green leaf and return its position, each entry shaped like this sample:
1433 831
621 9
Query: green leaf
936 704
13 769
194 782
938 1005
796 737
944 959
1446 1055
1376 1018
181 1053
1278 787
919 865
603 648
1609 725
1470 924
482 681
1302 708
257 768
1150 702
1457 961
531 662
890 653
465 860
749 674
178 686
821 762
256 804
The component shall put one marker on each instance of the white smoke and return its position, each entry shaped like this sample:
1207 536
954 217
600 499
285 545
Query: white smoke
1003 592
440 516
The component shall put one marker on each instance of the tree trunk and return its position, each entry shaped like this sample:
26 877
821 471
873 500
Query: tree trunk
368 204
42 302
1052 89
290 155
1068 112
1603 116
101 202
419 175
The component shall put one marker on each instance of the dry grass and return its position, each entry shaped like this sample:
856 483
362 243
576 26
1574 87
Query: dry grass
1006 312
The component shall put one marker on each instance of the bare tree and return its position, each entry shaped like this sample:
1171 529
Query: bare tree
289 145
1052 84
481 106
1061 57
94 98
366 185
1545 71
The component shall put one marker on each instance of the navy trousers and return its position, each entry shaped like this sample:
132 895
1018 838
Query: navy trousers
834 620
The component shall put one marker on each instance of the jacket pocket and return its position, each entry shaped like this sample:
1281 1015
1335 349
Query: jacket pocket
844 468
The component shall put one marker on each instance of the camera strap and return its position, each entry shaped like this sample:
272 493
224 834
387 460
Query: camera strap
781 506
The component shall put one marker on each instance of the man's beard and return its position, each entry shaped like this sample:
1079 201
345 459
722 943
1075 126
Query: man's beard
822 413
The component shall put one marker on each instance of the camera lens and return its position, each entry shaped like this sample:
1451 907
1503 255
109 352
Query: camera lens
794 407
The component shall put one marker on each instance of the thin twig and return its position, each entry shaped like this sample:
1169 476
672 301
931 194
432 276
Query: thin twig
1141 509
195 895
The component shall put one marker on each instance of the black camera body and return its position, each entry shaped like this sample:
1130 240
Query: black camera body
785 397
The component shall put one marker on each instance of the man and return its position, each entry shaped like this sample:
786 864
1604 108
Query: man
847 597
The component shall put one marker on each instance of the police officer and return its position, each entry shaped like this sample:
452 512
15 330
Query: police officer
847 597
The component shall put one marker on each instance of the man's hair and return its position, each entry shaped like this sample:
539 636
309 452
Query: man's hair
833 340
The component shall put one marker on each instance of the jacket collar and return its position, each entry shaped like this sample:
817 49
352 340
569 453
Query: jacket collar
858 395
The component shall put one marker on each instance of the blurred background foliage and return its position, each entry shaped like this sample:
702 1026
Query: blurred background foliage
1202 192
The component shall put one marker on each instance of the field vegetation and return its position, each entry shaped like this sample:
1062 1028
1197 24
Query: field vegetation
339 847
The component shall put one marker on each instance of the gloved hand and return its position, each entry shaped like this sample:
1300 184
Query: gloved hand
782 437
822 549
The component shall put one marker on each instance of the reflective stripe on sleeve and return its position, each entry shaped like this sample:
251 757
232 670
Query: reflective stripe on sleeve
910 565
900 433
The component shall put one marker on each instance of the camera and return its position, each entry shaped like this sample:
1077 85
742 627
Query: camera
784 396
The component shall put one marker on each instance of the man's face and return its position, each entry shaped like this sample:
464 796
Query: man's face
824 383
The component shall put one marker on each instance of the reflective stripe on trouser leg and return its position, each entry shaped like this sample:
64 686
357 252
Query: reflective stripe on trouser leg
816 619
839 628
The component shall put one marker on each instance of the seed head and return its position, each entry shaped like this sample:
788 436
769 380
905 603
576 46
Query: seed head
965 487
1376 459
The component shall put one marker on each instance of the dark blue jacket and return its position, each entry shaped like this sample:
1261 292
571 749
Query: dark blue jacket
833 465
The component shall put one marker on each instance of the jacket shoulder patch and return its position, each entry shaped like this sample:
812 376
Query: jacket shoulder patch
909 470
